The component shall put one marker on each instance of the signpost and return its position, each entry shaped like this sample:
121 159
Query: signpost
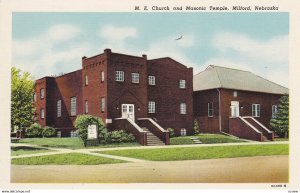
92 136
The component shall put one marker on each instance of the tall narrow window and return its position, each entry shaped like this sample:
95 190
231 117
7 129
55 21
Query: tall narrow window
102 104
181 83
210 109
102 76
42 93
119 76
151 80
256 110
86 80
86 107
151 107
34 96
42 114
59 108
135 77
274 111
73 106
182 108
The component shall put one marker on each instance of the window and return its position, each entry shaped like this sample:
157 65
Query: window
210 109
34 97
181 83
42 93
151 107
183 132
42 114
182 108
151 80
73 106
120 76
102 104
59 108
256 110
102 76
234 94
58 133
274 111
73 134
86 80
86 107
135 77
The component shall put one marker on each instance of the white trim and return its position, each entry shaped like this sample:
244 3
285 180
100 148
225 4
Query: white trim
133 124
259 124
154 123
127 112
248 124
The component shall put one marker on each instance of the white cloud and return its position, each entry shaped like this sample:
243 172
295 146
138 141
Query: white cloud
115 34
62 32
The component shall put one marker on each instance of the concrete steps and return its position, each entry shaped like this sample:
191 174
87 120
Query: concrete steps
152 140
196 140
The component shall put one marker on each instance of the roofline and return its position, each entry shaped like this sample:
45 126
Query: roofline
127 55
94 56
58 76
170 59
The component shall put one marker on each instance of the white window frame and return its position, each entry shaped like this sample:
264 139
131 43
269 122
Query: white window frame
59 108
42 111
86 107
135 77
42 93
182 84
274 111
102 76
256 110
34 96
183 108
119 76
183 131
73 106
102 104
151 80
86 80
210 109
151 107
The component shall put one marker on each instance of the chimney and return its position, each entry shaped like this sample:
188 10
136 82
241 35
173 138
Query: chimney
144 56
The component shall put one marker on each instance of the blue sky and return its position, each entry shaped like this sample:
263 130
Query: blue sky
51 43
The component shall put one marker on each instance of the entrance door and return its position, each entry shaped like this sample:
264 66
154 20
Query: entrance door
128 111
235 109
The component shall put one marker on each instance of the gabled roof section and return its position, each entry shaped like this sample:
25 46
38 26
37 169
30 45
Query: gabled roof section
221 77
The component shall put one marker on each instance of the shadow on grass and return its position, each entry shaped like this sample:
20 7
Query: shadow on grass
26 148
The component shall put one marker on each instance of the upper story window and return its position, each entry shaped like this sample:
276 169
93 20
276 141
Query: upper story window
181 83
42 93
182 108
135 77
274 111
73 106
86 107
59 108
120 76
151 80
151 107
210 109
102 76
255 110
42 114
86 80
102 104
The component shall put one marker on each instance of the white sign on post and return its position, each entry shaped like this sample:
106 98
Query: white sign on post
92 132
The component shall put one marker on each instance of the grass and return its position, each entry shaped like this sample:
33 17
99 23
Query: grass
281 139
196 153
65 159
70 143
205 139
21 150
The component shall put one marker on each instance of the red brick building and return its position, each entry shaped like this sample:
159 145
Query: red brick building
235 102
141 96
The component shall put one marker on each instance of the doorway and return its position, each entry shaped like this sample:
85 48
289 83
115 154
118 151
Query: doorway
128 111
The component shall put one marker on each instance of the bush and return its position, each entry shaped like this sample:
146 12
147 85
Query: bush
196 127
120 137
49 132
82 122
171 132
35 130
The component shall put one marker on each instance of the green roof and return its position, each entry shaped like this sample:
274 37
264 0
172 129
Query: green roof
221 77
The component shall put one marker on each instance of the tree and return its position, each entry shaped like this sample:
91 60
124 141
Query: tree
196 127
280 123
22 89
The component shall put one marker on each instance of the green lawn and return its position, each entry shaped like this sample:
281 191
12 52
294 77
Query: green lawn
21 150
70 143
281 139
65 159
205 139
196 153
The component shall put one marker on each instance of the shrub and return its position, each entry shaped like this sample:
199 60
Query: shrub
120 137
35 130
171 132
196 127
83 121
49 132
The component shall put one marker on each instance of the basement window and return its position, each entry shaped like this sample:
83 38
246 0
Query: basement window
183 132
